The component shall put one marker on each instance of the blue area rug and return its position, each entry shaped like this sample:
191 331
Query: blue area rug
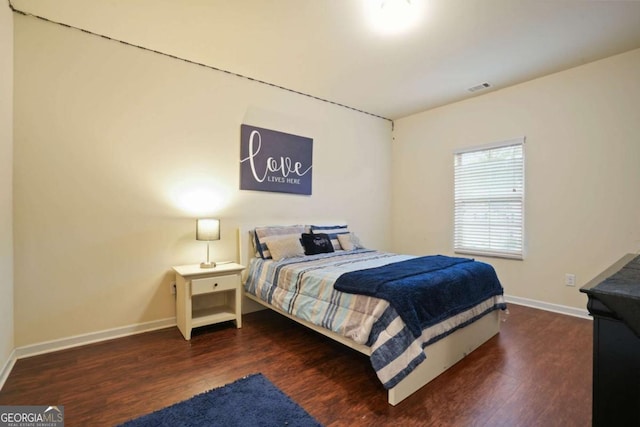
249 401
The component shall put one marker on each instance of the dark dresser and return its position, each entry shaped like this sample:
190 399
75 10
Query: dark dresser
614 303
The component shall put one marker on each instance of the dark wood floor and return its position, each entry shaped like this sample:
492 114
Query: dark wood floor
536 372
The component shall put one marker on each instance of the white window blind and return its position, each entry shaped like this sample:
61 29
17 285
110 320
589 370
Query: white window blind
489 200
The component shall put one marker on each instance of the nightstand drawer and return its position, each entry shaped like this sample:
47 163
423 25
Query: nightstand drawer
214 284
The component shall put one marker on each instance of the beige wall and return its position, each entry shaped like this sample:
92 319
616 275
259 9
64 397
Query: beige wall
582 173
109 139
6 192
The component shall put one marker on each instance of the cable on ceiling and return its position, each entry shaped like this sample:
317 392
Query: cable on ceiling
189 61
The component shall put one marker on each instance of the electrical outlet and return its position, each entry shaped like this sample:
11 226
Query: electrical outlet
172 288
570 279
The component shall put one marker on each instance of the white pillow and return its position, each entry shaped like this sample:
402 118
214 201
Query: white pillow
349 242
281 247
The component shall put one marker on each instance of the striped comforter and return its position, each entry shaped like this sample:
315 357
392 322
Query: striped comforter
303 287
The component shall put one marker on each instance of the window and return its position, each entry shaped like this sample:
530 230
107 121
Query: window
489 200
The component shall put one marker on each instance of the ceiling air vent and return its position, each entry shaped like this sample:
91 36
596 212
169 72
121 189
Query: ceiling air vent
481 86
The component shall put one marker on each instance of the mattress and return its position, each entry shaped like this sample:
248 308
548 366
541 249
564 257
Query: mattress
304 288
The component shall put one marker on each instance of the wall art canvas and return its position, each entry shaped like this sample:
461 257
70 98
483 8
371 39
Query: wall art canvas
275 161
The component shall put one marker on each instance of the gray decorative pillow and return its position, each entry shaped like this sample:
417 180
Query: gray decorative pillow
349 242
281 247
263 232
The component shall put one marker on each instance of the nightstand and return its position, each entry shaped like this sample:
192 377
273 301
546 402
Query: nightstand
193 282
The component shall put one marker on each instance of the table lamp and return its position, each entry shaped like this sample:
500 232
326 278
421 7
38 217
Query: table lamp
207 229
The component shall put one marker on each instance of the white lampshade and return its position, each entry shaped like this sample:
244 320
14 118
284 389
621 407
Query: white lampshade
207 229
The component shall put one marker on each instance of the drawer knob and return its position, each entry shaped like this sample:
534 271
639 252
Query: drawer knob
215 285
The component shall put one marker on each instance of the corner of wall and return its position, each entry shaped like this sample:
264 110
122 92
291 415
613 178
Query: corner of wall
7 339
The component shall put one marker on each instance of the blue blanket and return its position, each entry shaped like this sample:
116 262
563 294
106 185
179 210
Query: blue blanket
425 290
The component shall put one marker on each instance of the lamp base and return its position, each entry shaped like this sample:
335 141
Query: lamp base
210 264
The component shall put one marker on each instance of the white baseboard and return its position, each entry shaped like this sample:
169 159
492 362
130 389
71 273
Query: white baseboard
556 308
93 337
6 369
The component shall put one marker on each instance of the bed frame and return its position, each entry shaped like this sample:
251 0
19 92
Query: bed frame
441 355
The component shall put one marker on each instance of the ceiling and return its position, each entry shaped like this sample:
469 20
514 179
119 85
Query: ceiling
329 48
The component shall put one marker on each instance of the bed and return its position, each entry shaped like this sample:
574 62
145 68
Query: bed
330 292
